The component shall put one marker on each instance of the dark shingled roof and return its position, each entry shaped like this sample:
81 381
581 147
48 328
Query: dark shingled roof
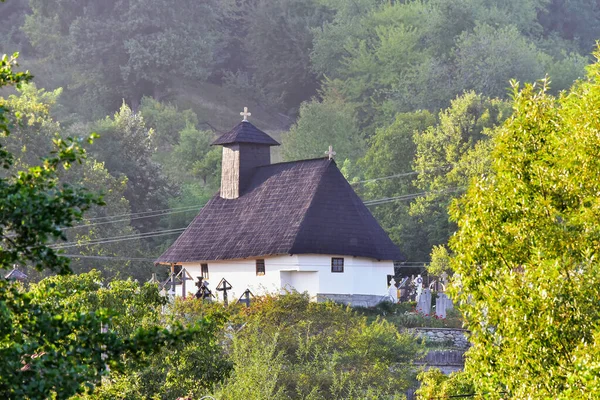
300 207
245 132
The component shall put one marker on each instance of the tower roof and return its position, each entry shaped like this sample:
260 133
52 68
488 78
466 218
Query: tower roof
245 132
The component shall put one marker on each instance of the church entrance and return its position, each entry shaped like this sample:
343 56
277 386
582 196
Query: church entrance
301 281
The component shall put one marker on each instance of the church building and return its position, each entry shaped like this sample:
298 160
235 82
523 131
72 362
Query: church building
295 225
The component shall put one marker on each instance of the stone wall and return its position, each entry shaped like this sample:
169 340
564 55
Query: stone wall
452 337
355 300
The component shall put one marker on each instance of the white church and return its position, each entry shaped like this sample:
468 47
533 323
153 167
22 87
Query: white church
287 226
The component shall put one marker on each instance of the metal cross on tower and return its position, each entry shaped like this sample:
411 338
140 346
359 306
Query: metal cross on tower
330 153
245 114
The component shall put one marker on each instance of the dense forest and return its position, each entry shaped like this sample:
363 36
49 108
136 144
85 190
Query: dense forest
407 92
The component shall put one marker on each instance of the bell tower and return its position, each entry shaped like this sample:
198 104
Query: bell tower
245 147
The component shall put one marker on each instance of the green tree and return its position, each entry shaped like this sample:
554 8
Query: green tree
317 351
388 173
321 124
449 155
125 148
526 249
50 350
125 50
275 39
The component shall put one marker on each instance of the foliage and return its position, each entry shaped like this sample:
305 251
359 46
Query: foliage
390 156
184 368
526 269
449 154
52 349
317 351
434 384
274 40
125 147
321 124
125 50
440 261
404 315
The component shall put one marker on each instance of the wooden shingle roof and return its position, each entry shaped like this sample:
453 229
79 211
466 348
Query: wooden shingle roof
245 132
300 207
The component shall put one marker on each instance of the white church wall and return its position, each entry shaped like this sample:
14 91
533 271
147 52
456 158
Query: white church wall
361 275
241 274
304 272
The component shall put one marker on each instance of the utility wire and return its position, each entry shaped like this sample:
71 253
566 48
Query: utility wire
169 211
141 213
385 200
145 235
118 239
401 175
194 208
115 258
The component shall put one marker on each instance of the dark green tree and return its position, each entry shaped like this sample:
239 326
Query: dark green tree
49 349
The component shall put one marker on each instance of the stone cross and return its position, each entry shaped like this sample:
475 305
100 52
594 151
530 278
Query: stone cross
330 153
245 114
393 291
418 282
444 278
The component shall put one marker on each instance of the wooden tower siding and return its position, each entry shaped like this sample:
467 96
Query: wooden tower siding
239 161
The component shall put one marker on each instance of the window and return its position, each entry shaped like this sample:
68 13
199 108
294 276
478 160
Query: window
337 264
204 271
260 267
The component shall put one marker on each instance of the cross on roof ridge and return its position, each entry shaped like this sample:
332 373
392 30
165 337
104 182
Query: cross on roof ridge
330 153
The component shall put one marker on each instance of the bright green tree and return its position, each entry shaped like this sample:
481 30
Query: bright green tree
526 269
330 122
292 348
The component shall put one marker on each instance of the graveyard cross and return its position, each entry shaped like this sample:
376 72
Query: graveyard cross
245 297
203 290
245 114
330 153
224 286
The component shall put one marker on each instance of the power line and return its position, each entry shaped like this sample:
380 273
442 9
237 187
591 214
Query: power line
401 175
115 258
118 239
169 211
385 200
193 208
141 213
386 177
368 203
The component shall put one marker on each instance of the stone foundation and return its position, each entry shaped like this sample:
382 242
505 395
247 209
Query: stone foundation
456 338
354 300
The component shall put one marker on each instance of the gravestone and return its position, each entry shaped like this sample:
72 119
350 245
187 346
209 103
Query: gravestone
424 302
442 304
393 291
